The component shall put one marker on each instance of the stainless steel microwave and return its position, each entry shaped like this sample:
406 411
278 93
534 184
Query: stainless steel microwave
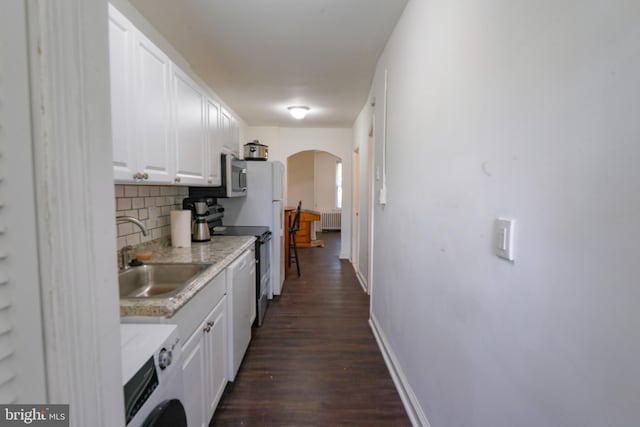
234 176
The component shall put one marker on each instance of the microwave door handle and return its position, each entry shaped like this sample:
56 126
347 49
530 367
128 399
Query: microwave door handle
243 179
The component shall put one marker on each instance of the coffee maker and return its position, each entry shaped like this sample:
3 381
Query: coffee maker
199 208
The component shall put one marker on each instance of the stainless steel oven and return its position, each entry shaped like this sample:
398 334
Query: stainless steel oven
263 274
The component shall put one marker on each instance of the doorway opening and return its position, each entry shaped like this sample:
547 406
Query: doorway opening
314 178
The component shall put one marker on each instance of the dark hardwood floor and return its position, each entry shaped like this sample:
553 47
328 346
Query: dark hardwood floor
315 361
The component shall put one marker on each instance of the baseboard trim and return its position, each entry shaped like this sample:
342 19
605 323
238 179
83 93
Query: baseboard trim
408 397
361 280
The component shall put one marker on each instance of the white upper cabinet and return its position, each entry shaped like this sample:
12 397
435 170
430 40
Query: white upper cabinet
190 132
140 116
164 127
214 142
121 34
152 93
235 135
227 132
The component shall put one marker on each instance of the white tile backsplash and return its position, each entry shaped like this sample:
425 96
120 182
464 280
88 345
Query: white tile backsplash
152 205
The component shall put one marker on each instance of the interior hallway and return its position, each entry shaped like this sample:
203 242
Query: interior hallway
315 361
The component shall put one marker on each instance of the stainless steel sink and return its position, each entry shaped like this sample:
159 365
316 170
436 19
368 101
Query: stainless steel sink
157 280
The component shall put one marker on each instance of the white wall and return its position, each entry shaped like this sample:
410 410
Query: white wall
527 110
283 142
300 179
325 181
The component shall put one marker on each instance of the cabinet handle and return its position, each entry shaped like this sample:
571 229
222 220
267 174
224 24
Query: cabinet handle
208 327
177 179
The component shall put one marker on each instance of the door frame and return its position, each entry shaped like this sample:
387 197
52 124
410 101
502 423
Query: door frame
74 194
371 150
355 200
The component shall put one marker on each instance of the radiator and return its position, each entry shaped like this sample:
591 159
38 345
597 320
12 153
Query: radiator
330 220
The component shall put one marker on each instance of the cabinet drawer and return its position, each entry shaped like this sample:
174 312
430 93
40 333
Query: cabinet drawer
189 317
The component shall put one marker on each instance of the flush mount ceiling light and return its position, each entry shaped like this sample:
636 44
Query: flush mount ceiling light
298 111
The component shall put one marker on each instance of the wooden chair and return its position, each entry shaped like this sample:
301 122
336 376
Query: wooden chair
293 229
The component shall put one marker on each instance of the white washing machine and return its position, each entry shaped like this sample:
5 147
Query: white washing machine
152 375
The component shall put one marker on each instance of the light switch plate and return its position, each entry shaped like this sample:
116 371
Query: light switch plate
505 228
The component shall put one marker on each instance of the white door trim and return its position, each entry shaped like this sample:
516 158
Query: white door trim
69 74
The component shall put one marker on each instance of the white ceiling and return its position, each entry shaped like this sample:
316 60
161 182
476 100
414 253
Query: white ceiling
261 56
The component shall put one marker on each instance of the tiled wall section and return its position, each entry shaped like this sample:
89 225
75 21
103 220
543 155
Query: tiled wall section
151 204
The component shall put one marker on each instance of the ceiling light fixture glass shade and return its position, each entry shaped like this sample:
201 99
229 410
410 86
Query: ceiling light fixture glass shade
298 111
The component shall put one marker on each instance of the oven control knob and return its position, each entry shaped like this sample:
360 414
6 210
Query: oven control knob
164 358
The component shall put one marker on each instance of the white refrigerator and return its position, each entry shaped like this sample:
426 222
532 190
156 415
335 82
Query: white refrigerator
263 205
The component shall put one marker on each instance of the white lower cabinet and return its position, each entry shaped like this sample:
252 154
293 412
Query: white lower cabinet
216 367
204 367
241 290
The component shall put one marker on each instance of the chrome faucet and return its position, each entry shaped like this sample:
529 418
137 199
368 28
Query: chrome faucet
133 220
125 253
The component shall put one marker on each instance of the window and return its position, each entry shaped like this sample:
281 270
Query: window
338 185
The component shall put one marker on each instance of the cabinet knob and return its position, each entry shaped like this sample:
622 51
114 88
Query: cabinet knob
145 176
137 176
210 180
208 326
177 179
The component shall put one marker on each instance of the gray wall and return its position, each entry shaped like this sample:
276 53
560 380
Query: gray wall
527 110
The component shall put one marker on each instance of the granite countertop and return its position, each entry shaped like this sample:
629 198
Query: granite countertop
219 252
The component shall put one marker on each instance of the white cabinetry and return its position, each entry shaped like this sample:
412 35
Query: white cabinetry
228 130
252 294
214 142
235 136
152 93
190 132
204 367
240 300
121 33
139 105
164 127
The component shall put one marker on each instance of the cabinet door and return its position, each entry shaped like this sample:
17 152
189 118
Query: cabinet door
194 380
225 129
216 357
239 288
253 289
189 130
152 92
121 33
214 143
235 136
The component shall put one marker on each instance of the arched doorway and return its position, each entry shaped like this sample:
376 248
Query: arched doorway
312 178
